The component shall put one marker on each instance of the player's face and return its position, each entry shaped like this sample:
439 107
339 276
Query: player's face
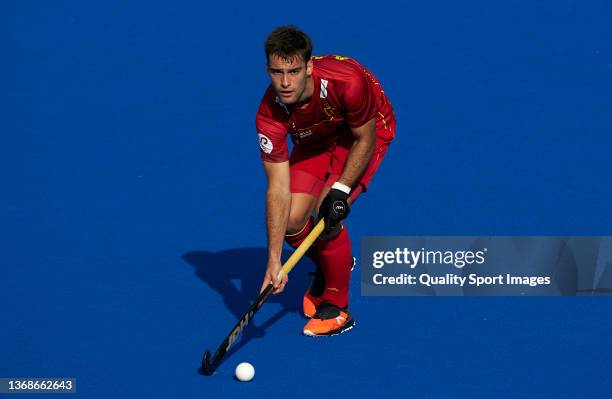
290 78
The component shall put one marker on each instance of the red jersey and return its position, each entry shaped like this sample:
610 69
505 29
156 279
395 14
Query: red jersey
345 95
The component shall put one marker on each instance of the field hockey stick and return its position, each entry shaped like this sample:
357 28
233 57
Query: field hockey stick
209 365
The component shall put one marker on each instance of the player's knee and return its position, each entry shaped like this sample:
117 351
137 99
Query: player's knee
296 223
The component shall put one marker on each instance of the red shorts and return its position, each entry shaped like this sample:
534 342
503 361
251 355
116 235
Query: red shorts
312 170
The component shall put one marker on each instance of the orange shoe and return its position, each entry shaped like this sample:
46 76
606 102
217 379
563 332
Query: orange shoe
312 296
310 303
329 320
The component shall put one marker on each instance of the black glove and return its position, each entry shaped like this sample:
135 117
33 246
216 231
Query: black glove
334 208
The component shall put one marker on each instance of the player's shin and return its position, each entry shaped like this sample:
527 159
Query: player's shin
336 260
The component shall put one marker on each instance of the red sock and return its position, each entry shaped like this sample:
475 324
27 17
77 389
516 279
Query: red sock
296 239
336 259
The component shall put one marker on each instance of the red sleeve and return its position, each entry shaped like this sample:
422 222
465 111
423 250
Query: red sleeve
272 138
359 100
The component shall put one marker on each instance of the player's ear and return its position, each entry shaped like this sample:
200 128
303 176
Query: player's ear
309 67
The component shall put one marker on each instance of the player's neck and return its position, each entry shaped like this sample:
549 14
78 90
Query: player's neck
304 99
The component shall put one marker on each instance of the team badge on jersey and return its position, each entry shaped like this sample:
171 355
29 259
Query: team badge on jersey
328 109
265 143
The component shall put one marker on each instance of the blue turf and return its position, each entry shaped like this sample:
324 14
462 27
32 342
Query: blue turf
132 230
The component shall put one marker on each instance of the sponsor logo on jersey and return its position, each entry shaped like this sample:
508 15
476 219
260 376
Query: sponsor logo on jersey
265 143
298 136
304 134
323 93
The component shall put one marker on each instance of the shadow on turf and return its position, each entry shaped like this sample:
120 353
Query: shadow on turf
236 275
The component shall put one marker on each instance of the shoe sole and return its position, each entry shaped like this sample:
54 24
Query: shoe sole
348 326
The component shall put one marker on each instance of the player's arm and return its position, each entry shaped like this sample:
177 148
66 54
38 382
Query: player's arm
335 206
360 153
278 203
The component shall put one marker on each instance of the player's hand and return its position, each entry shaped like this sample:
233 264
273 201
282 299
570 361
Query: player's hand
334 208
272 270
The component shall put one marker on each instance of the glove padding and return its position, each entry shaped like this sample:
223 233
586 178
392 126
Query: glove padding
334 208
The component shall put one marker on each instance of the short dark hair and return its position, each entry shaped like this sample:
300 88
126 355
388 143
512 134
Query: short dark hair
287 42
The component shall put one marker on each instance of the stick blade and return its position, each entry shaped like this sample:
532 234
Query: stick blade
207 367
